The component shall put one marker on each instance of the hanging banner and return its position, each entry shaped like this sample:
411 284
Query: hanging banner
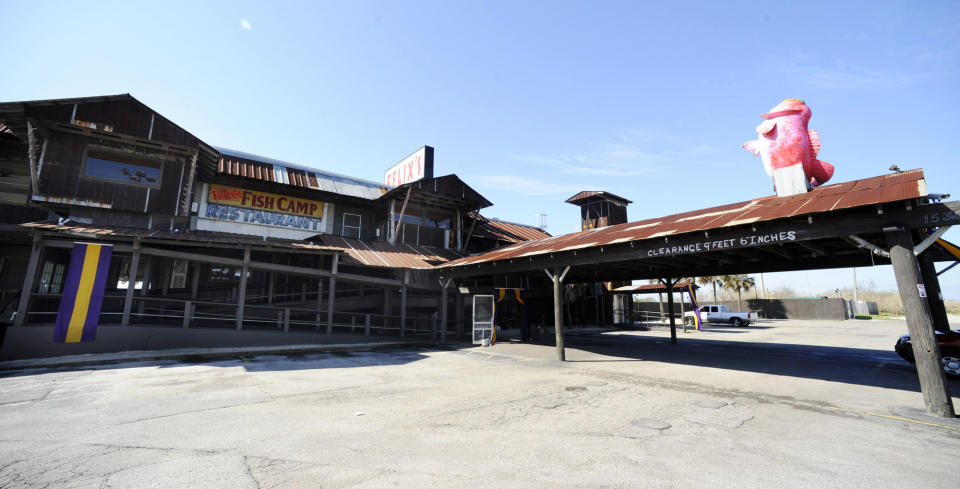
86 280
696 307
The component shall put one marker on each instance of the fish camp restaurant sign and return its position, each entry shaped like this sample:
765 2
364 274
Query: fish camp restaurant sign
415 167
236 210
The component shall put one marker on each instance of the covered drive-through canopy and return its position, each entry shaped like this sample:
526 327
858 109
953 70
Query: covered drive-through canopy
815 230
879 220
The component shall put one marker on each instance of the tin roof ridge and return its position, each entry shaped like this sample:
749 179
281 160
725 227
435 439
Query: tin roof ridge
531 226
267 159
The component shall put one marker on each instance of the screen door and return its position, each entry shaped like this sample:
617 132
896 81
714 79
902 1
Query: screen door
482 318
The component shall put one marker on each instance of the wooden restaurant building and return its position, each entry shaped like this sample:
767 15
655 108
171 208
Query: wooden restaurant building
214 247
208 241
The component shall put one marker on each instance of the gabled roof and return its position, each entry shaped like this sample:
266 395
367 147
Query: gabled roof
591 195
99 115
446 192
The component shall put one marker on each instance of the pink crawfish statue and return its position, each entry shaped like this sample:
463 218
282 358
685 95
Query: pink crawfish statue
789 150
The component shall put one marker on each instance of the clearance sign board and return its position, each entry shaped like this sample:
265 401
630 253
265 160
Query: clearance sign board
415 167
254 207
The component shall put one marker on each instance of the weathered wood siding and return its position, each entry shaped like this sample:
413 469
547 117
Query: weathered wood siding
126 116
62 176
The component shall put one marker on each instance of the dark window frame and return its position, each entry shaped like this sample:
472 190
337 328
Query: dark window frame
358 227
107 151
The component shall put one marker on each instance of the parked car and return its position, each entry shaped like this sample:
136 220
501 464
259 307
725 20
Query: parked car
719 314
949 350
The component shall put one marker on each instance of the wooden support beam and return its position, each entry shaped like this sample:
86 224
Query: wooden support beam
557 278
148 268
242 294
926 351
165 280
458 314
815 248
392 218
466 242
444 283
195 281
387 306
271 283
29 278
938 311
317 321
131 283
331 295
32 155
403 210
669 282
403 304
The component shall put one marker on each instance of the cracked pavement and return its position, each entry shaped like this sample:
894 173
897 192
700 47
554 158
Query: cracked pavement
500 417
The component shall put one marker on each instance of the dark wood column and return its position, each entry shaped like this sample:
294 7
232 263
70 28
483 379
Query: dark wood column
131 283
332 293
938 311
926 352
673 321
444 283
242 293
28 279
403 304
557 278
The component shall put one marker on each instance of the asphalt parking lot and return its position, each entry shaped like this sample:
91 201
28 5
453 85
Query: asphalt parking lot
782 404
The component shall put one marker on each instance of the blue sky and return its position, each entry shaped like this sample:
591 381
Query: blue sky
528 102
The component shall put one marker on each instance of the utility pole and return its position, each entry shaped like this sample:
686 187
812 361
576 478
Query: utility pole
855 300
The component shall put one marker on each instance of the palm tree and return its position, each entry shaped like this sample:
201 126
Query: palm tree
714 280
740 284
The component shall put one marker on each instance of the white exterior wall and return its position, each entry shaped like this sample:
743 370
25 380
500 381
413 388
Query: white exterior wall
204 223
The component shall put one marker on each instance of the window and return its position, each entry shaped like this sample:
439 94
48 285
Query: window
223 273
122 168
51 280
178 278
351 225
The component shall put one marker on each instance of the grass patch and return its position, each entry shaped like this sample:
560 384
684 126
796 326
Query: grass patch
877 316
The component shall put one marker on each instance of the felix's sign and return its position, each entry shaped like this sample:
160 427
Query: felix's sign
417 166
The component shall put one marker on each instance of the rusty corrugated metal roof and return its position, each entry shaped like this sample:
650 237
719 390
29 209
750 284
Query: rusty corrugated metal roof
247 165
369 253
869 191
508 231
102 231
383 254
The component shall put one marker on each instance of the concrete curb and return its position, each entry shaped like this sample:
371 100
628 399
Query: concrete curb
197 354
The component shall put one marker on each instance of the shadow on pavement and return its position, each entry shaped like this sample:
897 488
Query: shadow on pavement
263 362
876 368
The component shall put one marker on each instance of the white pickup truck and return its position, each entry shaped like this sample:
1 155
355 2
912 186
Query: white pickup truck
719 314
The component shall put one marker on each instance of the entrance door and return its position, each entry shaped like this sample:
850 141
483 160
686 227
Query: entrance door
483 306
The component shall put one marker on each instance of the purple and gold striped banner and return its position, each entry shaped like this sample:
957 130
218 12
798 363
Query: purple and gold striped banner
83 293
696 307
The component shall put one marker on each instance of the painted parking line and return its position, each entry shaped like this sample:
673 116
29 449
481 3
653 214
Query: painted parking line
895 417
